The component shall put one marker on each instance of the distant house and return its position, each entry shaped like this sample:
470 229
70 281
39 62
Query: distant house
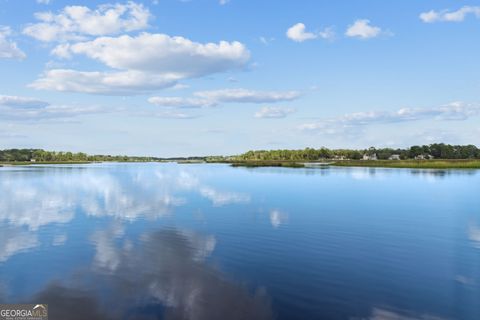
394 157
370 157
33 160
340 158
424 157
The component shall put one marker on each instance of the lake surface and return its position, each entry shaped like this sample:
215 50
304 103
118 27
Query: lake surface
207 242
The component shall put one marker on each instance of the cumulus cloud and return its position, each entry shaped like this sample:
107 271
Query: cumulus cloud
143 63
109 83
273 112
363 29
80 22
450 16
452 111
174 57
298 33
8 48
213 98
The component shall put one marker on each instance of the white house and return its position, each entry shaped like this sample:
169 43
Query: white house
370 157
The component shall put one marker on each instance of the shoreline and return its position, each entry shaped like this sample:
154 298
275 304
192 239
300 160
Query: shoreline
406 164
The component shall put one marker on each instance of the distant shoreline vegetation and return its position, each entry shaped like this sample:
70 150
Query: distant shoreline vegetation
435 156
30 156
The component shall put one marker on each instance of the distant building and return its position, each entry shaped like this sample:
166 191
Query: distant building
33 160
394 157
370 157
424 157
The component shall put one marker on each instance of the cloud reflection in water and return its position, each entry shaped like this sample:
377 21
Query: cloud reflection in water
164 272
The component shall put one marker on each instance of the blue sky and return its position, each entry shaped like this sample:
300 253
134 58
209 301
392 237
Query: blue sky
200 77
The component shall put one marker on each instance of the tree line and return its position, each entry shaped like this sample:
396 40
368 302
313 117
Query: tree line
432 151
29 155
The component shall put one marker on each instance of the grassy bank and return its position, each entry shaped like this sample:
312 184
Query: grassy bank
414 164
254 164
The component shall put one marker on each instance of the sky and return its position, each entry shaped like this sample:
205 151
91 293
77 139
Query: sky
219 77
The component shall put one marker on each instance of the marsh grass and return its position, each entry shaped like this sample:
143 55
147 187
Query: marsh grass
415 164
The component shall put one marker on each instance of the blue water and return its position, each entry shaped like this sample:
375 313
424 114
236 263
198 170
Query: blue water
208 241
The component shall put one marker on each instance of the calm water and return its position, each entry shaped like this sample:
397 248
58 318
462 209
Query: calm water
167 241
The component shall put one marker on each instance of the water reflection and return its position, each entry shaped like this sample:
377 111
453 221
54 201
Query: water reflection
14 240
389 314
32 198
149 241
474 234
100 193
277 218
59 240
164 272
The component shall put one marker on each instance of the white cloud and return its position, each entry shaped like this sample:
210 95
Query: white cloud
213 98
50 112
21 102
247 96
143 63
223 2
78 22
43 1
266 40
179 102
327 33
176 57
165 114
8 48
110 83
298 33
451 111
273 112
363 29
450 16
430 16
31 109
